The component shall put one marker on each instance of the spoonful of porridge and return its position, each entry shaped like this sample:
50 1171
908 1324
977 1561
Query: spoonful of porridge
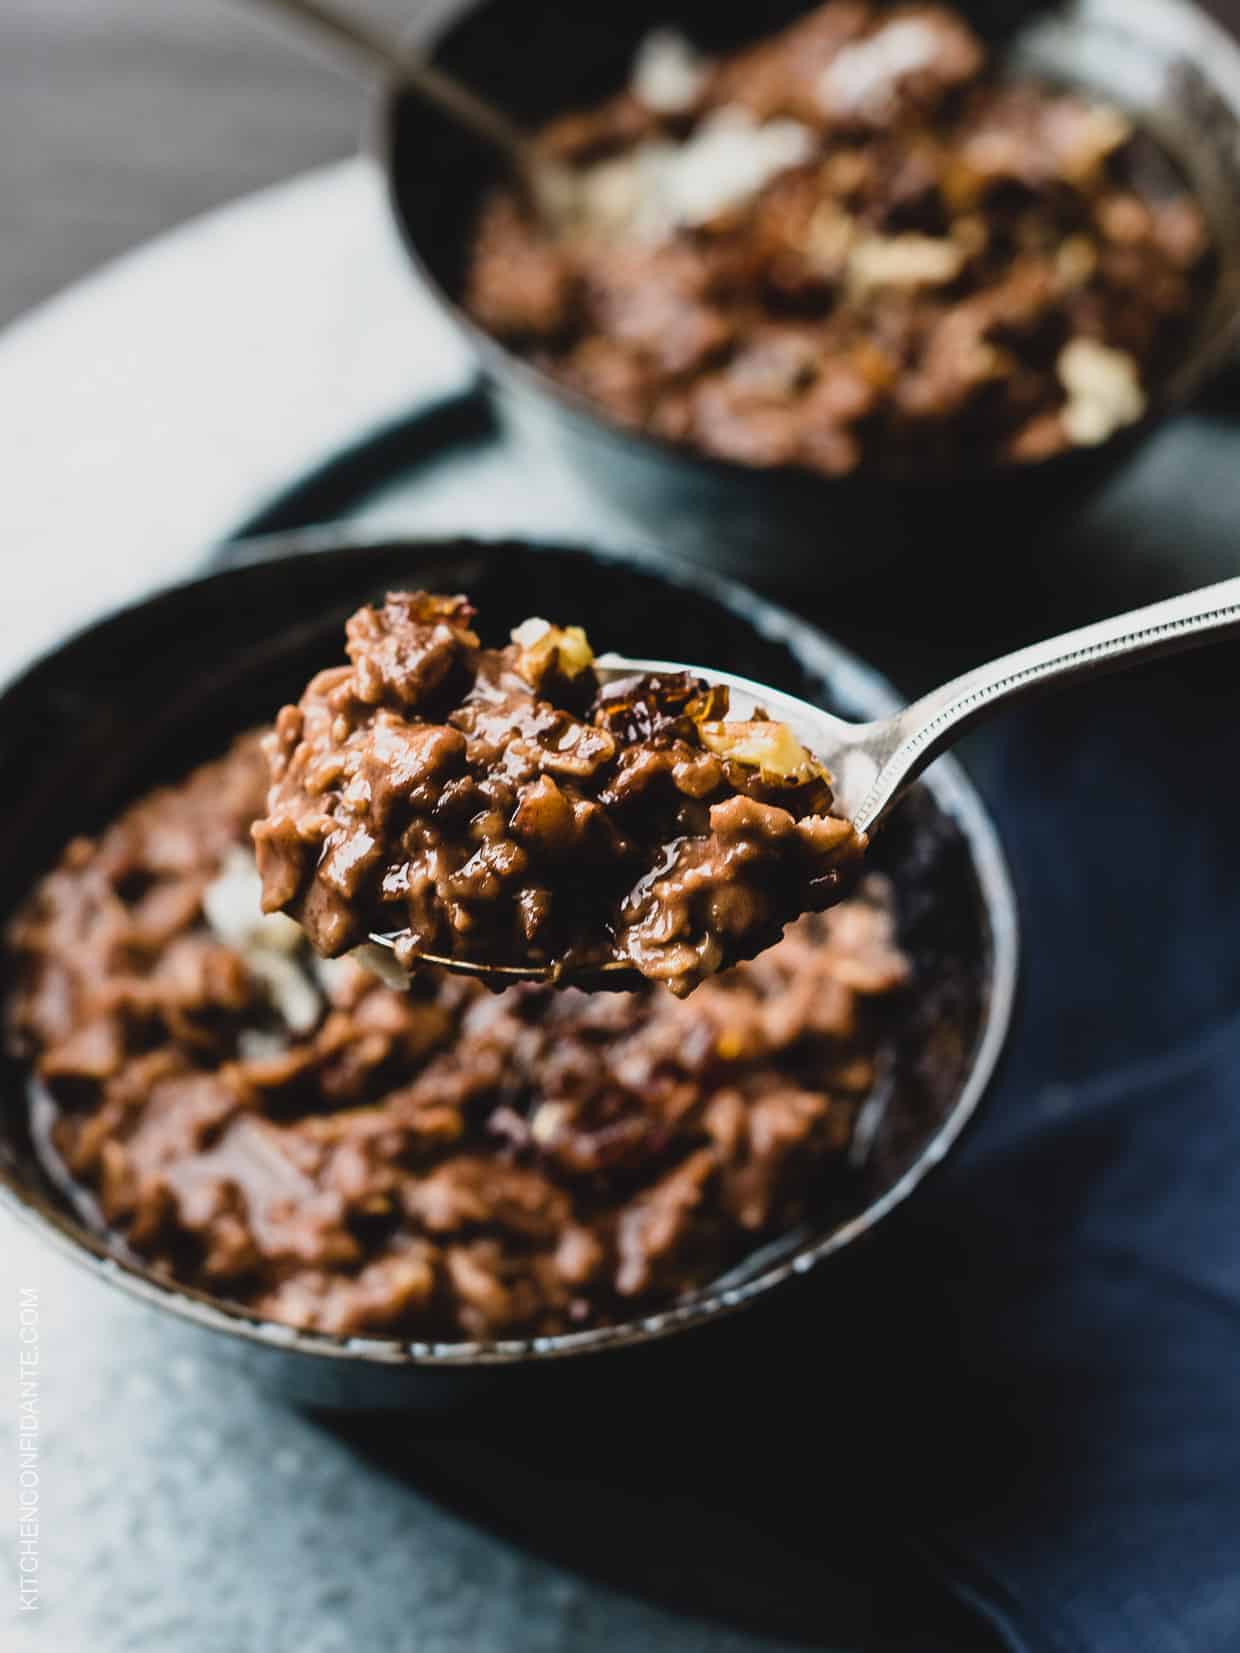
532 812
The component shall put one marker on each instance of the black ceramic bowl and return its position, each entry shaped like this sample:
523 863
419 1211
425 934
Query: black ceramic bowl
141 696
1164 61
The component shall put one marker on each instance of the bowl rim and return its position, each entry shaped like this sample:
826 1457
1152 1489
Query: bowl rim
819 654
501 367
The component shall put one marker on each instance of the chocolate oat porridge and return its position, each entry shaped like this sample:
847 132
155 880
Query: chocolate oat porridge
851 245
505 806
286 1132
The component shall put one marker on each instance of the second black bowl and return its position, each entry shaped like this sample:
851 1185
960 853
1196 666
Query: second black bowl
1164 61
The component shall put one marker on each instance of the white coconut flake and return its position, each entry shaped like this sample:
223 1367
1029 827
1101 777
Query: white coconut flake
530 631
860 78
548 1120
659 186
233 907
727 161
331 974
381 962
271 944
256 1044
1103 389
904 261
668 72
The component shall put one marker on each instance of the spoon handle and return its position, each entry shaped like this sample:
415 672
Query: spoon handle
382 58
913 737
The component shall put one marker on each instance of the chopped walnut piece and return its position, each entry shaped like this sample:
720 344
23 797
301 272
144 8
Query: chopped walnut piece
764 744
544 647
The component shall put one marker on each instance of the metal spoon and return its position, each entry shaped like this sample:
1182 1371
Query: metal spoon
382 56
872 763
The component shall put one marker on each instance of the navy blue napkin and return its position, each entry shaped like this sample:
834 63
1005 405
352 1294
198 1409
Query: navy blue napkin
1062 1349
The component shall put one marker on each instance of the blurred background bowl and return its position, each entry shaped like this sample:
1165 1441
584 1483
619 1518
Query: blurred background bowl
1164 61
141 696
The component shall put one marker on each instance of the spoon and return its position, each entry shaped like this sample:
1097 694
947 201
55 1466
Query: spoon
871 764
381 56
